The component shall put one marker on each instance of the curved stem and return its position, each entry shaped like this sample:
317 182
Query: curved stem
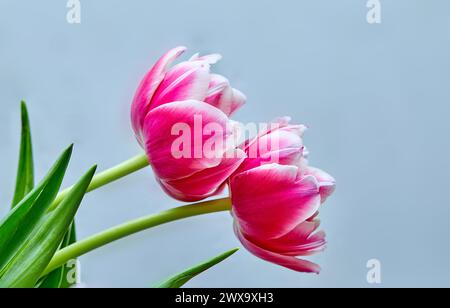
130 166
84 246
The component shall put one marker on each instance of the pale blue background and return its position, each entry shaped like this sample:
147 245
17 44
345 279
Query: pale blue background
376 98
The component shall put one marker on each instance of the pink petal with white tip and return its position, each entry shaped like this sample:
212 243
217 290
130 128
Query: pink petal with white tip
147 87
185 81
300 247
288 156
290 262
301 241
210 59
327 183
238 100
269 201
222 96
275 141
274 127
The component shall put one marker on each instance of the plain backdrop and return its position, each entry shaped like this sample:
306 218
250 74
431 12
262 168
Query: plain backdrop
375 96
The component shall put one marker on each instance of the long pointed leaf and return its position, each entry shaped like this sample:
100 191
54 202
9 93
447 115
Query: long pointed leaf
64 276
29 263
25 170
182 278
16 227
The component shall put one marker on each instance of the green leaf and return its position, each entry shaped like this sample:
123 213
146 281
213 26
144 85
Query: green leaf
25 171
24 218
64 276
24 185
182 278
30 261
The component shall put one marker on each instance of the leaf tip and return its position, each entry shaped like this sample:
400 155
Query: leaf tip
24 113
69 150
92 170
231 252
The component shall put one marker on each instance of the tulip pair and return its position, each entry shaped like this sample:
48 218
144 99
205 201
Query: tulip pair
274 202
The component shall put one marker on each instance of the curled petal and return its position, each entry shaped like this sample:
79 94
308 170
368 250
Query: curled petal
147 87
302 241
210 59
187 80
238 100
218 88
291 136
290 262
327 184
269 201
222 96
300 234
288 156
274 142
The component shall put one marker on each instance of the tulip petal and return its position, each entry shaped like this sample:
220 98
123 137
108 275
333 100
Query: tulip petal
187 121
292 134
219 87
302 241
205 183
277 140
222 96
187 80
327 183
288 156
280 143
307 247
301 233
290 262
238 101
211 59
270 201
147 87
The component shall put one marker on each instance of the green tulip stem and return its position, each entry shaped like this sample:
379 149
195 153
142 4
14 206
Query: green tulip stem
84 246
126 168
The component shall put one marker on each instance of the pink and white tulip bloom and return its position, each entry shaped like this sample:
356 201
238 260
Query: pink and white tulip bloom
275 204
188 100
188 80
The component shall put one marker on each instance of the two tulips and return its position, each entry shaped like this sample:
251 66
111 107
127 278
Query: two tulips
275 194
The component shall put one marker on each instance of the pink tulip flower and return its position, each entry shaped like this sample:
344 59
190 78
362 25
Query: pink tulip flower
188 80
275 204
183 103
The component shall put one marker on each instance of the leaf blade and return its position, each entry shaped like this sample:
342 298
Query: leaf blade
182 278
16 226
29 263
25 169
60 277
